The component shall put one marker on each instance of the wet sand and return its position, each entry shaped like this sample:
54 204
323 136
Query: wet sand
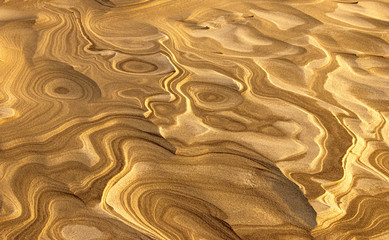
142 119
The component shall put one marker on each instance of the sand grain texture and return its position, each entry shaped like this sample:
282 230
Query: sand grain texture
145 119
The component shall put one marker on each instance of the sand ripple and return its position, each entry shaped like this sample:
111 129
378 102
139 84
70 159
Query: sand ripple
194 119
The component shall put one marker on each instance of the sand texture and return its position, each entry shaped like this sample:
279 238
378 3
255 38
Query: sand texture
194 119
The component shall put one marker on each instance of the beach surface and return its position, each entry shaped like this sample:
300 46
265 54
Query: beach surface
194 119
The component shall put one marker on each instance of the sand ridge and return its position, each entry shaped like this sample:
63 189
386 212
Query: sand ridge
192 119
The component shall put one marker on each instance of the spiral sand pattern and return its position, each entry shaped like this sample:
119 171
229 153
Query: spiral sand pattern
179 120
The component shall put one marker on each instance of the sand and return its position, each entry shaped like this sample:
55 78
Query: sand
142 119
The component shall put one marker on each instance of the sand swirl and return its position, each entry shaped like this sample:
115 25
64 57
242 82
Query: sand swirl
194 120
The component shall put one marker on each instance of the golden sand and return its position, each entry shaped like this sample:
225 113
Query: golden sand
194 119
